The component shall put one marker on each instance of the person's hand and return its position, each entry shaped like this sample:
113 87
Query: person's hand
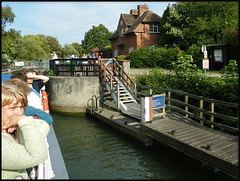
12 122
31 75
10 130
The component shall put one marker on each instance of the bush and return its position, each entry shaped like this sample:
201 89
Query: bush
122 57
165 56
153 58
196 53
141 58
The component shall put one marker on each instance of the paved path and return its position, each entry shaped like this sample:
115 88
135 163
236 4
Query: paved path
134 72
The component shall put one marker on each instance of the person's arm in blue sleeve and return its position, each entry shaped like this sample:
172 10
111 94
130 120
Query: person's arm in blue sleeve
32 111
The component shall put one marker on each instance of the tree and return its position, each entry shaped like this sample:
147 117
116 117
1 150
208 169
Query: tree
29 49
7 16
10 42
9 38
55 46
68 49
45 45
189 23
79 49
97 36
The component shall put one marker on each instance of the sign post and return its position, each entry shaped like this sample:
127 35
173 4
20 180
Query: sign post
205 62
158 105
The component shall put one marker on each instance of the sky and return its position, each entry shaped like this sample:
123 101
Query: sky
68 21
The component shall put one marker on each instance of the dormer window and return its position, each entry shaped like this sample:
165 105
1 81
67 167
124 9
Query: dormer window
153 28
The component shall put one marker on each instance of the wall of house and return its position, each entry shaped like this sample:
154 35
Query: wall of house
131 41
136 40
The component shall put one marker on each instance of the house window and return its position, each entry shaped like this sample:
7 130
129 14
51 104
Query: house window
153 28
116 53
218 55
122 31
121 23
130 49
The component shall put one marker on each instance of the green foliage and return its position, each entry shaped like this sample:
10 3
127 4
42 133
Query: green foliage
9 43
79 49
198 23
122 57
146 57
184 66
230 71
97 36
138 58
55 46
196 53
29 49
107 51
197 84
7 16
164 57
68 49
51 72
230 74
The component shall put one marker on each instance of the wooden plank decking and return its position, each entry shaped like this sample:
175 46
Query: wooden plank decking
189 137
193 139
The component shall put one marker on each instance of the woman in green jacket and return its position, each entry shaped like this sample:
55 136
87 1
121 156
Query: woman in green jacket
23 138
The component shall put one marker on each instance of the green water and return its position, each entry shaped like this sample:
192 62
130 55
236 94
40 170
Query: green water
93 150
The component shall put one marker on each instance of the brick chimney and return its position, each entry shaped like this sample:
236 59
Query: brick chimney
134 12
142 8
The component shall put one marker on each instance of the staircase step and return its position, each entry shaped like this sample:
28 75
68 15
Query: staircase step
126 94
127 101
122 98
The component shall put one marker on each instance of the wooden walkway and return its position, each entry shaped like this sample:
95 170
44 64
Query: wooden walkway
214 148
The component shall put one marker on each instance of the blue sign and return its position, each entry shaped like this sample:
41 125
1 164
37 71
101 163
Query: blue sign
158 101
111 61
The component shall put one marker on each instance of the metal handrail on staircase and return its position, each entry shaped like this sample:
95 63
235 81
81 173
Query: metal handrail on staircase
124 77
116 70
108 78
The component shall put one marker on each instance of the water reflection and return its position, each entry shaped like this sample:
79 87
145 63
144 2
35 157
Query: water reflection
93 150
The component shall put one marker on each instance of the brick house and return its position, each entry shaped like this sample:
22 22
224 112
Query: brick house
138 29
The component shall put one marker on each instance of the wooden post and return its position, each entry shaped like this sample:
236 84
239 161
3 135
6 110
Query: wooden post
201 113
113 68
169 102
121 78
118 97
212 111
186 107
111 83
150 91
238 117
104 74
135 88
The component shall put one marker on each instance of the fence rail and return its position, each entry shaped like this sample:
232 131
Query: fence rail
208 116
75 67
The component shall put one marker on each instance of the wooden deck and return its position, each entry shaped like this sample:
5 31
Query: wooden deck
209 146
214 148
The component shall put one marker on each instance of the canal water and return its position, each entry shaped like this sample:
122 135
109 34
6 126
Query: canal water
93 150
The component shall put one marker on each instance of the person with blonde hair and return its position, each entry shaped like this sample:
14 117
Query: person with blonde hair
23 137
29 110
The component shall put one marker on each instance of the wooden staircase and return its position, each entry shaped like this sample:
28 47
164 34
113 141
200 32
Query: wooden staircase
120 89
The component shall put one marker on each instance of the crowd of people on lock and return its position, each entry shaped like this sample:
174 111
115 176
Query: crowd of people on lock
24 124
73 56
